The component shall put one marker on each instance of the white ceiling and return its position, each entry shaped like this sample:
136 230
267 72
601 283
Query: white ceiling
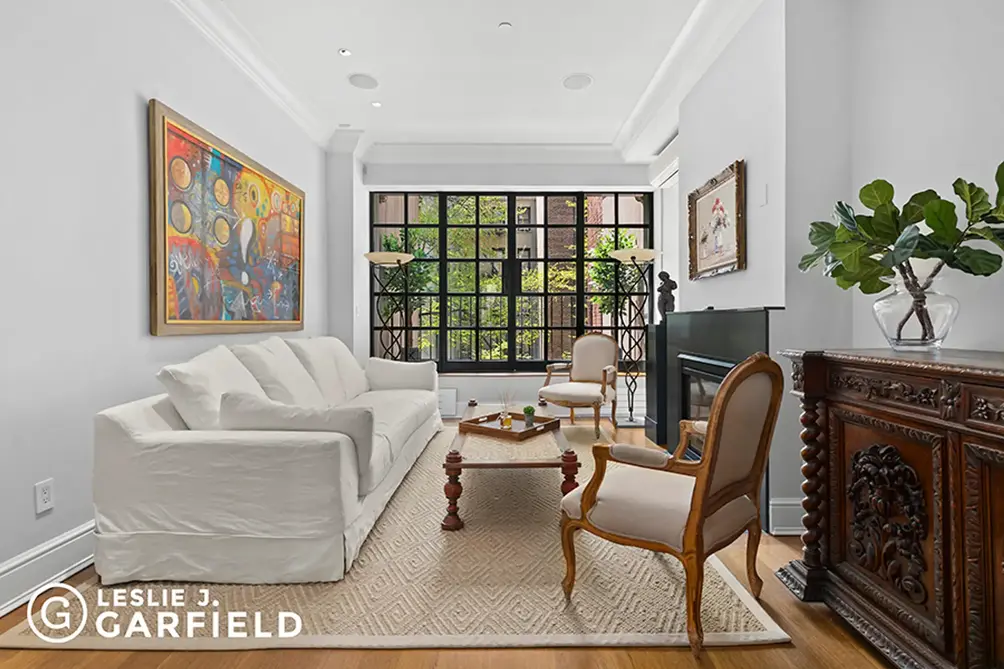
448 74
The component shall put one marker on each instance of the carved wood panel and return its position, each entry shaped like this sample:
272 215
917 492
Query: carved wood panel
983 407
915 393
983 550
888 540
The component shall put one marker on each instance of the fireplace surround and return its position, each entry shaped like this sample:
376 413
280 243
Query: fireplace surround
690 353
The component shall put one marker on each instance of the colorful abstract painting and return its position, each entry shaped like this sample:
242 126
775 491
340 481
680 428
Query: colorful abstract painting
230 235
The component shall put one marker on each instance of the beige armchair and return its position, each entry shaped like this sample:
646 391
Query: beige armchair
687 509
592 378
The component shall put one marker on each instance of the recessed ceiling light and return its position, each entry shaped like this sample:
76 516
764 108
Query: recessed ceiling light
376 104
505 25
576 82
344 52
363 81
344 125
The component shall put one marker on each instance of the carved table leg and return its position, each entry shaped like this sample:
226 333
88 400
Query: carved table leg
569 467
805 577
453 490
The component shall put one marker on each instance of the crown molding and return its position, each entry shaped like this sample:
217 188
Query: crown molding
222 29
656 115
457 153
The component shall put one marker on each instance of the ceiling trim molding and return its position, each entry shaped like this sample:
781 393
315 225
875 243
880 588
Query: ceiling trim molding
656 115
458 153
225 32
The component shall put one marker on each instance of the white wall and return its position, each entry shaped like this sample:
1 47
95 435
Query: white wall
343 177
924 115
737 111
817 313
668 226
74 144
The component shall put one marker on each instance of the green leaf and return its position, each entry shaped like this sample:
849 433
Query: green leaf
1000 186
877 193
904 247
990 234
850 254
845 235
810 259
977 261
886 223
865 226
843 214
940 216
831 265
998 213
821 234
976 199
929 247
913 211
868 274
873 285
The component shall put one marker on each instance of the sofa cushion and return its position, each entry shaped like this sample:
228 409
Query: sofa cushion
280 373
332 367
352 372
574 392
654 505
195 386
397 414
239 411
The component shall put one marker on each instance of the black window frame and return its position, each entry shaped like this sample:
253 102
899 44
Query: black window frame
511 273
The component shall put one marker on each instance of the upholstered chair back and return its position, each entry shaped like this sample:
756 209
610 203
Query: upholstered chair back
741 426
590 354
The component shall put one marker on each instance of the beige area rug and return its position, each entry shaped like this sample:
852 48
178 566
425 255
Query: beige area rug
495 583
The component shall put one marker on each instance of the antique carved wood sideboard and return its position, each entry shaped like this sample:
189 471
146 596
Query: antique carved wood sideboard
903 459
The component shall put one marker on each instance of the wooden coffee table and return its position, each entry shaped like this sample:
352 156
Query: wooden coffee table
482 420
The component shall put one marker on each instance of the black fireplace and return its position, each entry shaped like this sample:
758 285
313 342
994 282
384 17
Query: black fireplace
700 378
690 358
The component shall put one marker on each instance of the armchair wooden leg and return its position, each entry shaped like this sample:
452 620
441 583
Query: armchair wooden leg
568 548
694 567
596 419
613 412
752 544
571 414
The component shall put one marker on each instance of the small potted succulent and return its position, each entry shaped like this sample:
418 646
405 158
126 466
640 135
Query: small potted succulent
528 412
888 248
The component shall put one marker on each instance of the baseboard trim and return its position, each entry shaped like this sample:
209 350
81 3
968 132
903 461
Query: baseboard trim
51 561
786 517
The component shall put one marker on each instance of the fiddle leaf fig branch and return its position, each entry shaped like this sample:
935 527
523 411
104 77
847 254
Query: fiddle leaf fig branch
865 250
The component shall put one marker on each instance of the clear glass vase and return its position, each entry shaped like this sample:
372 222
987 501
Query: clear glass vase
915 322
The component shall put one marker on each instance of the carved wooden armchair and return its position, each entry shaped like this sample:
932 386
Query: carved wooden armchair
687 509
592 378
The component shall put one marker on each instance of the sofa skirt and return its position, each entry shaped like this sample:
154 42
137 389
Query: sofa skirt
169 556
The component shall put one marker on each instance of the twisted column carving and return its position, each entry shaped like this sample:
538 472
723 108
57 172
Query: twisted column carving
813 487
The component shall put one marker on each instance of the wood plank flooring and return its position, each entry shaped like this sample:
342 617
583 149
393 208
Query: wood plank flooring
820 640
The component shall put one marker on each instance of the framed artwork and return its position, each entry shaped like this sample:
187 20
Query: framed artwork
226 236
718 224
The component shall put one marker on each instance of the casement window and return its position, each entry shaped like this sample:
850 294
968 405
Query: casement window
504 281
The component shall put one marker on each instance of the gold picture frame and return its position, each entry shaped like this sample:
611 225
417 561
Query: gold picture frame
714 249
228 257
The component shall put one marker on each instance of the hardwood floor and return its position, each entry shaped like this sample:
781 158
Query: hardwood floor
820 640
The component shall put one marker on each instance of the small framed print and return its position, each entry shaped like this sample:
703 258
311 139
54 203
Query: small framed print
717 212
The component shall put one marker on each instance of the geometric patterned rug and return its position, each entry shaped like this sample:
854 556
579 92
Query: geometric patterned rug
495 583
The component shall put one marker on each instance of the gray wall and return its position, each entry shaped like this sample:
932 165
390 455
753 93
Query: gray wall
927 106
74 329
737 111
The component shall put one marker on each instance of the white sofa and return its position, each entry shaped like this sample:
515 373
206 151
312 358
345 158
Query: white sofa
177 497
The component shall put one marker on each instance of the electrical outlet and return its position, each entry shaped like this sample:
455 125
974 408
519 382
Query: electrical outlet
43 496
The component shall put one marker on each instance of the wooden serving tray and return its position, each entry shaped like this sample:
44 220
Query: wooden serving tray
489 425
